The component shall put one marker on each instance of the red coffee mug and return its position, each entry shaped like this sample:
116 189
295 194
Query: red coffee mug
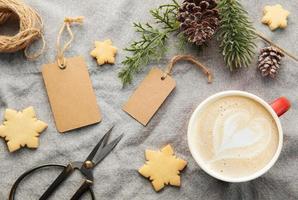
281 105
276 109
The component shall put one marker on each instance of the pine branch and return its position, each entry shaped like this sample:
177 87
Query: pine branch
152 45
166 15
236 34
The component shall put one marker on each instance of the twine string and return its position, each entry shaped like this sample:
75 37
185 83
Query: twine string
191 59
30 28
60 50
260 35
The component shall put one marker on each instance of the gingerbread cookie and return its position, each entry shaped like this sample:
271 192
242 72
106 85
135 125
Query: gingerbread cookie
275 16
162 167
104 52
21 129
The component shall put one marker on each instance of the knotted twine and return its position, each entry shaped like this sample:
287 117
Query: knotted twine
191 59
30 28
61 61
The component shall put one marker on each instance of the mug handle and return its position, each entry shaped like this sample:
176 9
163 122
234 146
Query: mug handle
281 105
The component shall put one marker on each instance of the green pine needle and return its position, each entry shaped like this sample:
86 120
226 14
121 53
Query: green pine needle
236 34
152 45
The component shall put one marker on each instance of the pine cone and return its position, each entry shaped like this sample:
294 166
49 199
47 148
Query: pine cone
269 61
199 20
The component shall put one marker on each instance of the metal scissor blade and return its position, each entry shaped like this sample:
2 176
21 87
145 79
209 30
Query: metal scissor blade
103 141
107 149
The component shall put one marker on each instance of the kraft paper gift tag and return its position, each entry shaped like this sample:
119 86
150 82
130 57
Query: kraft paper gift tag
69 88
71 95
149 96
154 90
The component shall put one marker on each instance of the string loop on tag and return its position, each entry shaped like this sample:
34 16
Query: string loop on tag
191 59
61 61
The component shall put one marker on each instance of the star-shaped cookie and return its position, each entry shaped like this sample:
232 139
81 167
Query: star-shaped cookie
104 52
21 129
275 16
162 167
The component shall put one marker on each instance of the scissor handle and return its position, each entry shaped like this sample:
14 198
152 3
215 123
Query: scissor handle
25 174
61 178
84 188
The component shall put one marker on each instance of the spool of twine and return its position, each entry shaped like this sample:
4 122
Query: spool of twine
30 28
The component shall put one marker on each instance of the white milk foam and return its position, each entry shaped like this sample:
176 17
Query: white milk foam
236 136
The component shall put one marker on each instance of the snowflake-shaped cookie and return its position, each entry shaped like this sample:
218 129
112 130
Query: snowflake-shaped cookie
162 167
104 52
275 16
21 129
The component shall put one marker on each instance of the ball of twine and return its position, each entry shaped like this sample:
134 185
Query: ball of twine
30 28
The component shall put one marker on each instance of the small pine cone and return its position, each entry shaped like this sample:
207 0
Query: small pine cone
269 61
199 20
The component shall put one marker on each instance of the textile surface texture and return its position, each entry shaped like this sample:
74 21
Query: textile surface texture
21 86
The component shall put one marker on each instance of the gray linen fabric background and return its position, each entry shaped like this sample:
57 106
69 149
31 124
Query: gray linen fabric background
21 85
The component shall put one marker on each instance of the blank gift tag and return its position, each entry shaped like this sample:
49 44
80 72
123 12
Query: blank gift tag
71 95
149 96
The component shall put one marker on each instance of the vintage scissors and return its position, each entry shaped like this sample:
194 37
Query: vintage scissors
99 152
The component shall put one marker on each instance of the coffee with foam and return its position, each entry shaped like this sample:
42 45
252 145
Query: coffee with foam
236 136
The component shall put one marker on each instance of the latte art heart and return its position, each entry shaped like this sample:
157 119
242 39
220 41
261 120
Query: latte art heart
236 136
240 134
